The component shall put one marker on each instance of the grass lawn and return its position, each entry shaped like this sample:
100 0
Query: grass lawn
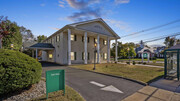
71 95
140 59
140 73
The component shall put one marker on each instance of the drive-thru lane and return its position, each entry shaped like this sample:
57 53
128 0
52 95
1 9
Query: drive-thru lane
96 87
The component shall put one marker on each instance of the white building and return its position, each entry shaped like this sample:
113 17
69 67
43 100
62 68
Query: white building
75 43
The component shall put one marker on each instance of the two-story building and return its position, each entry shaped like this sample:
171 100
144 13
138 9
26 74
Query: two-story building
75 43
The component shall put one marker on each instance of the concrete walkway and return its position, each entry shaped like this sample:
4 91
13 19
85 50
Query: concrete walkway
149 93
171 85
144 65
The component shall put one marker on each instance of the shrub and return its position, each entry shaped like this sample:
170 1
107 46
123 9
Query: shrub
17 71
139 62
144 63
128 62
134 62
154 58
154 61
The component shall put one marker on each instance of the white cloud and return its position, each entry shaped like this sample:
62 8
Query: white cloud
119 24
62 3
81 4
121 1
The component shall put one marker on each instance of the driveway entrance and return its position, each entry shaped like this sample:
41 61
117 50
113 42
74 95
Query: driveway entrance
93 86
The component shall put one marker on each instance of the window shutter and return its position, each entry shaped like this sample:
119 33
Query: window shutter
82 38
74 37
88 55
94 40
82 55
88 39
103 41
74 55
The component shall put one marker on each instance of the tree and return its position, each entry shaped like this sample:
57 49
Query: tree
6 29
41 38
178 41
123 50
26 34
10 34
169 42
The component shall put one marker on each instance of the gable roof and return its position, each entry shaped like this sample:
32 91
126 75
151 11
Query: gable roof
95 20
85 22
174 47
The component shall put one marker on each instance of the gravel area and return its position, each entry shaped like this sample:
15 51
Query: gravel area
37 90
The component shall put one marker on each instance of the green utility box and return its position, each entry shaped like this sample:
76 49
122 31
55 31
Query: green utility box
55 80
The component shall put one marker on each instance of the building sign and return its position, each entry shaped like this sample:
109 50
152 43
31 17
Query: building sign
145 55
55 80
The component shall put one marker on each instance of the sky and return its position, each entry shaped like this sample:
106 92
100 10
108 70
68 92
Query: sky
44 17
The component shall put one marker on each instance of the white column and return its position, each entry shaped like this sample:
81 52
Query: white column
142 57
36 53
69 47
108 50
116 51
148 57
98 49
85 48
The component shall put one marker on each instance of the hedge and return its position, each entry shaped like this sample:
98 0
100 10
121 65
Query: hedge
17 71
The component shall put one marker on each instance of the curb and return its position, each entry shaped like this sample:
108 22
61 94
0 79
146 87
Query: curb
136 81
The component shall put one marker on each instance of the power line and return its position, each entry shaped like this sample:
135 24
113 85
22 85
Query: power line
156 27
161 30
160 38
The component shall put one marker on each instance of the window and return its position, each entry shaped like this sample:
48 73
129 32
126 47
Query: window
104 42
73 37
95 40
57 38
52 41
73 55
50 56
105 56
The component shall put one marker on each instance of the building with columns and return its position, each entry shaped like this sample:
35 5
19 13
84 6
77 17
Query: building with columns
75 43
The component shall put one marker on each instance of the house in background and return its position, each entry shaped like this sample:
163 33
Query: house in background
75 43
151 51
159 52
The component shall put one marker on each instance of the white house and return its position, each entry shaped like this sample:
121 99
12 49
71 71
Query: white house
75 43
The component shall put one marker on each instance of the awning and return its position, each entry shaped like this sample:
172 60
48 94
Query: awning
43 46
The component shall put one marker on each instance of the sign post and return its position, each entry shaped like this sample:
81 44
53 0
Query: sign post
55 80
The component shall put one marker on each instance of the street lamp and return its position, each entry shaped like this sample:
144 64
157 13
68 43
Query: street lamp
12 46
95 45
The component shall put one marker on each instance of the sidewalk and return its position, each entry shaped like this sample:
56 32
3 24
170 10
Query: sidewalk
144 65
149 93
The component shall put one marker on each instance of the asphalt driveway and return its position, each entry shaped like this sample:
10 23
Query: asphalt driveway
93 86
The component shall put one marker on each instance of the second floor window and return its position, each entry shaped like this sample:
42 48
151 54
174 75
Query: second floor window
73 37
104 42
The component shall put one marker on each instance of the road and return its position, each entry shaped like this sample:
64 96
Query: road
93 86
